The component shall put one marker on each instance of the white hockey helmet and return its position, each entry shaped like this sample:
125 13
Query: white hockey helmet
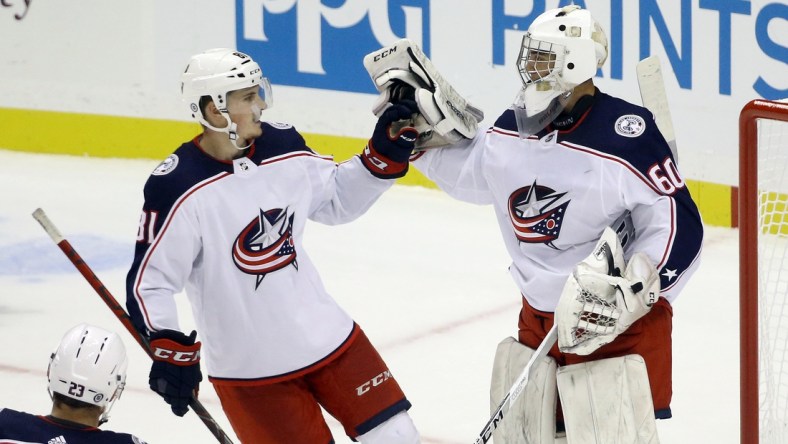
571 39
215 73
562 48
89 365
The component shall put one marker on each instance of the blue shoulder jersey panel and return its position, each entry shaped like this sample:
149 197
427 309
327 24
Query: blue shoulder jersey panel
506 121
24 427
190 165
611 126
186 167
621 129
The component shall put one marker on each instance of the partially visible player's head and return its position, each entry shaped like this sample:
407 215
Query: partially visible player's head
562 48
215 80
88 369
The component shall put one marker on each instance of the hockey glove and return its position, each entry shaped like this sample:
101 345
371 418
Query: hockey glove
175 372
444 116
603 297
387 153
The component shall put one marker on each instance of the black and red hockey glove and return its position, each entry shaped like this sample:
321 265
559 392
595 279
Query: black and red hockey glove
388 150
175 372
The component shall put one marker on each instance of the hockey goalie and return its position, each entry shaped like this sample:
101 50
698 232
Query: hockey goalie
560 166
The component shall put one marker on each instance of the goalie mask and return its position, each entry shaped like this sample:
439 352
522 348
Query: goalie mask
217 72
89 365
562 48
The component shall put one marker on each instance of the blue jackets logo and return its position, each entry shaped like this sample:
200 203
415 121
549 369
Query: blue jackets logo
321 43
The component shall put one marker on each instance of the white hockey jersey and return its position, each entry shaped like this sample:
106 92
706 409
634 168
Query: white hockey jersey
231 234
555 192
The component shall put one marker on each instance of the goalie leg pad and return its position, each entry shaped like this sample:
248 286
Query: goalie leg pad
607 402
531 418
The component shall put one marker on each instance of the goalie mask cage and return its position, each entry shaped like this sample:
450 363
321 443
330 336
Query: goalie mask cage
763 271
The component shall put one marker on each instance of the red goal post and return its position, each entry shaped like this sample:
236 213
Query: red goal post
763 271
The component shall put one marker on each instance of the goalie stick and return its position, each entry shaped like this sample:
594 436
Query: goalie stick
517 387
652 93
119 312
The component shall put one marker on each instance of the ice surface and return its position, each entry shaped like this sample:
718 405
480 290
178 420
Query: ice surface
424 275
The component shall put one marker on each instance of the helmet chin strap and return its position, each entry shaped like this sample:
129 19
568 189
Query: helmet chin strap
232 132
231 129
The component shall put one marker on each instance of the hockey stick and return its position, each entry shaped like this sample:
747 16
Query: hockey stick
517 387
120 313
652 93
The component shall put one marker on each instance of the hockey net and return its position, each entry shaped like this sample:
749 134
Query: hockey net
763 268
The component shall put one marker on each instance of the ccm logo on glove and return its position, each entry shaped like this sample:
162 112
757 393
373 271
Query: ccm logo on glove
175 353
175 373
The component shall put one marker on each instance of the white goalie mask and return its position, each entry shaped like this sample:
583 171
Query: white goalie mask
89 365
217 72
562 48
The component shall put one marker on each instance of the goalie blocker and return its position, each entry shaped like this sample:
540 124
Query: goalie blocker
402 72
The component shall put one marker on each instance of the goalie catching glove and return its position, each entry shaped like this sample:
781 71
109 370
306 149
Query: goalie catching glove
403 72
604 296
175 373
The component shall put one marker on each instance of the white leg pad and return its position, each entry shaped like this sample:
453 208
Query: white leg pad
399 429
531 418
608 402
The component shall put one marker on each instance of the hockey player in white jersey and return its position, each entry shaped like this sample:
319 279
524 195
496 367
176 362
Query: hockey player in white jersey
224 219
87 374
561 165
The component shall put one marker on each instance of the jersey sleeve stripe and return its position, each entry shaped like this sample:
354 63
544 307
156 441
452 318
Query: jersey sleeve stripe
295 154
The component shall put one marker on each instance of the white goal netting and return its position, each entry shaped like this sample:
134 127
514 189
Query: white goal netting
772 247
